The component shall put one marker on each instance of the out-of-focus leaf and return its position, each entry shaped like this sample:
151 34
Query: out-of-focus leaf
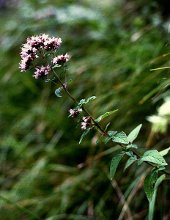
85 101
106 114
58 92
84 134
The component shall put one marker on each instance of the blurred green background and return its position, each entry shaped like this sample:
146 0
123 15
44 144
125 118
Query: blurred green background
44 172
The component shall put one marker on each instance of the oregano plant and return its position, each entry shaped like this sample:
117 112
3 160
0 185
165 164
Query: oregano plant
40 55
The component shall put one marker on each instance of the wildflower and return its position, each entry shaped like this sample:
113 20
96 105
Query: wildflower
74 112
25 63
34 51
86 122
33 45
28 54
41 71
61 59
52 43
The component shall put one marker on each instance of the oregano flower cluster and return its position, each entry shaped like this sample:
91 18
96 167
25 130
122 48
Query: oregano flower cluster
35 54
39 54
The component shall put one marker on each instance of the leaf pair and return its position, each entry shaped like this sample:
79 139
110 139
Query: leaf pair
122 138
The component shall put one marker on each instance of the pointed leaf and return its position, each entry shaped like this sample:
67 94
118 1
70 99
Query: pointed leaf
164 152
133 134
152 201
115 162
83 135
106 114
129 162
120 137
149 184
155 157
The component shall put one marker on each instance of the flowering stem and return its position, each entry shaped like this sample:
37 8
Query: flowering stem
99 128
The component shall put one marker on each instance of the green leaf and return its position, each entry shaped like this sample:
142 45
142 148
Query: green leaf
111 133
106 114
130 161
164 152
120 137
84 134
159 181
149 184
58 92
85 101
115 162
152 202
155 157
133 134
107 126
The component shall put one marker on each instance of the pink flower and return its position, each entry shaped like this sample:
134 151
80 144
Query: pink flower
25 63
52 43
41 71
61 59
86 122
75 112
38 47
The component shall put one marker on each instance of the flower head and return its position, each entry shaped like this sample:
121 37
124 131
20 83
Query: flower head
61 59
52 43
41 71
74 112
86 122
35 51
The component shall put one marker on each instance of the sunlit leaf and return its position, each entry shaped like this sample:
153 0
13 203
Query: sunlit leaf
164 152
155 157
120 137
133 134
